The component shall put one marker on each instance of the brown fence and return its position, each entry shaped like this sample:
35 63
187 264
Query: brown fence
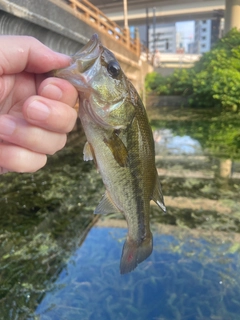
97 19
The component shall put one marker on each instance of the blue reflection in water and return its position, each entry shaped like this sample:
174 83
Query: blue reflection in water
167 142
190 279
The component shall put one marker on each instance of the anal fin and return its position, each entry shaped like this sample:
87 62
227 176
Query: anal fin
158 196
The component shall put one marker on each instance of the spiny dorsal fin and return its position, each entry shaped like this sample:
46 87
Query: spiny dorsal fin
158 196
106 205
118 149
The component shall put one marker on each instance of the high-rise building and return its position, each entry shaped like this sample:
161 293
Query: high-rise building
202 36
161 38
164 39
207 32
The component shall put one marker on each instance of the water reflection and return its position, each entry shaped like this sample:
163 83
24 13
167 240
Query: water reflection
168 143
186 277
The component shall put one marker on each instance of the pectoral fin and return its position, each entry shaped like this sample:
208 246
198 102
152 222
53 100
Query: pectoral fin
158 196
106 205
118 149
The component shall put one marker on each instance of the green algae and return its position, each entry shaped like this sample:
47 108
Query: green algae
45 216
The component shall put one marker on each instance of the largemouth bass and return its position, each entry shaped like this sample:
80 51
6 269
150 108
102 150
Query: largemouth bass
120 141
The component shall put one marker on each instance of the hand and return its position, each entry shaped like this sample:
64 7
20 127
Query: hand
35 111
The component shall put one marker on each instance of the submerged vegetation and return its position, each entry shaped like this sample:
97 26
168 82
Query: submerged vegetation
187 278
214 81
47 215
44 217
48 271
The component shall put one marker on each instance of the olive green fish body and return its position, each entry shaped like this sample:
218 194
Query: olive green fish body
120 141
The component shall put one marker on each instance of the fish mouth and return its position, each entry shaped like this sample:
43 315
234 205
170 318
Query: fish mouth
89 51
81 62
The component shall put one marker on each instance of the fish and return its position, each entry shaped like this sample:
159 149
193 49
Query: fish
120 142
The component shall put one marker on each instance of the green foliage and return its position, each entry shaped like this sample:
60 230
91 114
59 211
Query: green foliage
226 88
179 83
214 80
153 80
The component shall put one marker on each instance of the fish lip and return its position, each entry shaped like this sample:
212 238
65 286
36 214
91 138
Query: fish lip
89 48
80 63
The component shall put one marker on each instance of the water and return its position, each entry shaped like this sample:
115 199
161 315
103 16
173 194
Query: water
185 278
58 262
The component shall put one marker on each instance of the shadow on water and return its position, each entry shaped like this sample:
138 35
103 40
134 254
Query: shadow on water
48 270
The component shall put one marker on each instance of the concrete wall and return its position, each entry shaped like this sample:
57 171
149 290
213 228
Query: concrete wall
11 25
58 17
232 15
42 19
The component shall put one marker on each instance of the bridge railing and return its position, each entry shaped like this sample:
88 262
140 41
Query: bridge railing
96 18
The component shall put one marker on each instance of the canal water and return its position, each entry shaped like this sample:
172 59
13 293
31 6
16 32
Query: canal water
59 261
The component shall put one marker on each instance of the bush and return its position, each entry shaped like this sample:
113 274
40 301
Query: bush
153 80
213 81
179 83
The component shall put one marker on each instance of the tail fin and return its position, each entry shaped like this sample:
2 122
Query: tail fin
133 253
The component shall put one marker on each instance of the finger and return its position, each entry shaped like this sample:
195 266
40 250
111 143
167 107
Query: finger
58 89
3 170
19 132
49 114
18 53
15 158
51 111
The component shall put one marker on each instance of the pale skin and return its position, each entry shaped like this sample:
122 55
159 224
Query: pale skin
36 111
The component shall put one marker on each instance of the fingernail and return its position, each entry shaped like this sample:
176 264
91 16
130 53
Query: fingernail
37 110
52 91
7 126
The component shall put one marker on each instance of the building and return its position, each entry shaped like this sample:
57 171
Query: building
202 41
207 32
164 39
161 38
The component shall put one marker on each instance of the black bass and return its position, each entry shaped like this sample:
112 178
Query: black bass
120 141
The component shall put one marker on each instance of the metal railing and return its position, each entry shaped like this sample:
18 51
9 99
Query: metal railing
97 19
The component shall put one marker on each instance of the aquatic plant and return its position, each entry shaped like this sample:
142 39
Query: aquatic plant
44 217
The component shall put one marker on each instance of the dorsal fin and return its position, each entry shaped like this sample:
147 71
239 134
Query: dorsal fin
106 205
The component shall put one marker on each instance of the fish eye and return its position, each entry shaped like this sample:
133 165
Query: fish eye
114 69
